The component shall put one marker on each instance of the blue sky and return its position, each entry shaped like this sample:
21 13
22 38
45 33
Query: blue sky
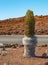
18 8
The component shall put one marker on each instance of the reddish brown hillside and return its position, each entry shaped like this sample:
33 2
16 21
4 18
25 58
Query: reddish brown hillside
14 26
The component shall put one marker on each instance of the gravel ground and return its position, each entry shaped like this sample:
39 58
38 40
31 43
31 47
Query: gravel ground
14 56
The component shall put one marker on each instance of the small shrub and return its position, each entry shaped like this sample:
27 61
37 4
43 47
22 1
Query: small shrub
45 45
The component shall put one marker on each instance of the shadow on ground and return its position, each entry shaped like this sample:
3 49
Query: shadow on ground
33 47
46 63
44 55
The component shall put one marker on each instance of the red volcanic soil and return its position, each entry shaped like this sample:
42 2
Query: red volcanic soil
15 26
14 56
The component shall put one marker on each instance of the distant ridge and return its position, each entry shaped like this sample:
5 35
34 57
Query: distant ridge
15 26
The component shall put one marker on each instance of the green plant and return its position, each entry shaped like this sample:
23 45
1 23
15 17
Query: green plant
29 23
